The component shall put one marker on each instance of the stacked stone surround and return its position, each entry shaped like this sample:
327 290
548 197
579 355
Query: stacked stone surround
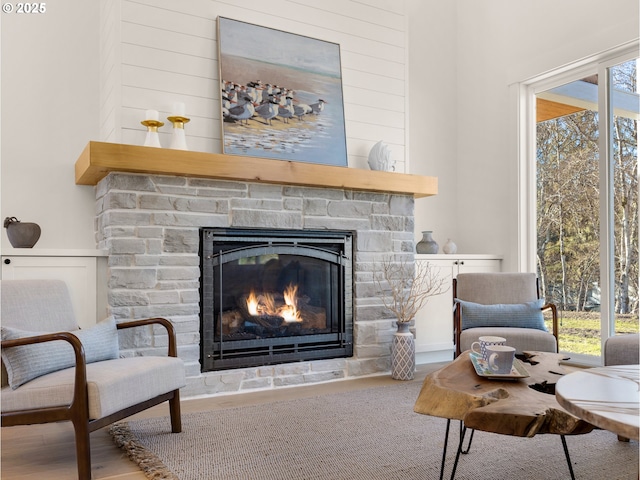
149 224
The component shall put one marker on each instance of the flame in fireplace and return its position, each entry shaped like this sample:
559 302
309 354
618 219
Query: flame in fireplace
290 295
290 311
252 303
266 305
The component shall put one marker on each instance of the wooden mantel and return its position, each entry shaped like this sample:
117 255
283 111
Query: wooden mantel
99 159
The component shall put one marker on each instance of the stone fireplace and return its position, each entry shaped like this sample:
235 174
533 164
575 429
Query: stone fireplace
151 225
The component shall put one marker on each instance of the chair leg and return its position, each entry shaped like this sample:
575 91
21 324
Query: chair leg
83 449
174 412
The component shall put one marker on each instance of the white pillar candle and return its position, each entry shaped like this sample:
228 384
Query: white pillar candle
151 115
178 109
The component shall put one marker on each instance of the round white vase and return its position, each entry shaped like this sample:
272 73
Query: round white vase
449 247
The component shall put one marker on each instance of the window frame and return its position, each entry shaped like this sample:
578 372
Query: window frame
526 119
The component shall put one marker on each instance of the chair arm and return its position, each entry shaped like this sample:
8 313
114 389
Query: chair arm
80 382
554 317
173 349
457 326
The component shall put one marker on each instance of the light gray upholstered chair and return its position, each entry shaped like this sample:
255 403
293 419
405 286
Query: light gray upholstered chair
622 349
79 376
507 305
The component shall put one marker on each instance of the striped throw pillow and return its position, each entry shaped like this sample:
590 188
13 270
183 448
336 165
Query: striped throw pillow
26 362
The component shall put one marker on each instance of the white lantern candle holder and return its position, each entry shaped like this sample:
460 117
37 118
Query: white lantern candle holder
178 140
152 123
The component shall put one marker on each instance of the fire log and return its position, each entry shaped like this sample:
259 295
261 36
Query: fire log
232 322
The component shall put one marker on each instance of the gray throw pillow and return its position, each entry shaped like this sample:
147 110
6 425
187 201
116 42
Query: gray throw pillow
523 315
26 362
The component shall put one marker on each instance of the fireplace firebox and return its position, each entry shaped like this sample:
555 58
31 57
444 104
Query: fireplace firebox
274 296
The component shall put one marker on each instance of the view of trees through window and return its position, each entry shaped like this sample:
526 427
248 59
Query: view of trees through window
568 206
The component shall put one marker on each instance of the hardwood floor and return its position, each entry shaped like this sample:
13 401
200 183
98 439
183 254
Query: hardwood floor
36 452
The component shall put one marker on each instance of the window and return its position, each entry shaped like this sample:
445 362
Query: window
582 192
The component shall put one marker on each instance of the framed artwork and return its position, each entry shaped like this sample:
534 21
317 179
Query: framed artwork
281 95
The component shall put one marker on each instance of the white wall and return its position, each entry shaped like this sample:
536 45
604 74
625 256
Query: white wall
501 42
433 128
49 108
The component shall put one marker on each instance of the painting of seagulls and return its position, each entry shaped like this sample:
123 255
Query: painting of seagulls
280 95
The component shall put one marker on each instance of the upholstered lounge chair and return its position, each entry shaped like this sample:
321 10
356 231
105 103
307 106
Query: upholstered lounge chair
622 349
56 372
506 305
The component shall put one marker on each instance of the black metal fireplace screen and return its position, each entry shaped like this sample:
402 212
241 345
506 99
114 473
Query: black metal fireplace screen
275 296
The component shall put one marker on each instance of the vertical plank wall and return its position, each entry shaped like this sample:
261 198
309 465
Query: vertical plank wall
157 52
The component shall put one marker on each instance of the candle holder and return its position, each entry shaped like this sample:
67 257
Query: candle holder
179 140
152 139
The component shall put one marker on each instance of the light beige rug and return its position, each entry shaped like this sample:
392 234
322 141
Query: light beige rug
367 434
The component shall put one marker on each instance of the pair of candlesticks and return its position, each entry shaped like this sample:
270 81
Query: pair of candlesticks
152 122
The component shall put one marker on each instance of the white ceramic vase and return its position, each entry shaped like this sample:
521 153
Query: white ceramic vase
449 247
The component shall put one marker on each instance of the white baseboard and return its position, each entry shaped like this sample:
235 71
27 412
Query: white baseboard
435 356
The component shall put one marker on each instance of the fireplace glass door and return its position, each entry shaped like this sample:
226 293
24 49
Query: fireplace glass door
272 296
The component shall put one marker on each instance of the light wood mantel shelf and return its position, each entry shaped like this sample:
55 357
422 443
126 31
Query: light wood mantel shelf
99 159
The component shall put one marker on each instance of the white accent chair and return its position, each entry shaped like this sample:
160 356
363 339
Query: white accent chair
506 305
79 374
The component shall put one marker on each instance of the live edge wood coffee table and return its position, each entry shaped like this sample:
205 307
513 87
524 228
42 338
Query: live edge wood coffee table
523 407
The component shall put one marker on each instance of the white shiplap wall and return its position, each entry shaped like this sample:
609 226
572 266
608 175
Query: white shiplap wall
110 68
157 52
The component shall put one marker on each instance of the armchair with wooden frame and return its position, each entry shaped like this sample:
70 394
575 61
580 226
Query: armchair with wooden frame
506 305
57 372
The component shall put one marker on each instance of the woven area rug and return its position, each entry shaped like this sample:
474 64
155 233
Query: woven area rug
364 434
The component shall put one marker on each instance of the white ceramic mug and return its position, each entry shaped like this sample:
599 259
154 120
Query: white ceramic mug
482 344
500 358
